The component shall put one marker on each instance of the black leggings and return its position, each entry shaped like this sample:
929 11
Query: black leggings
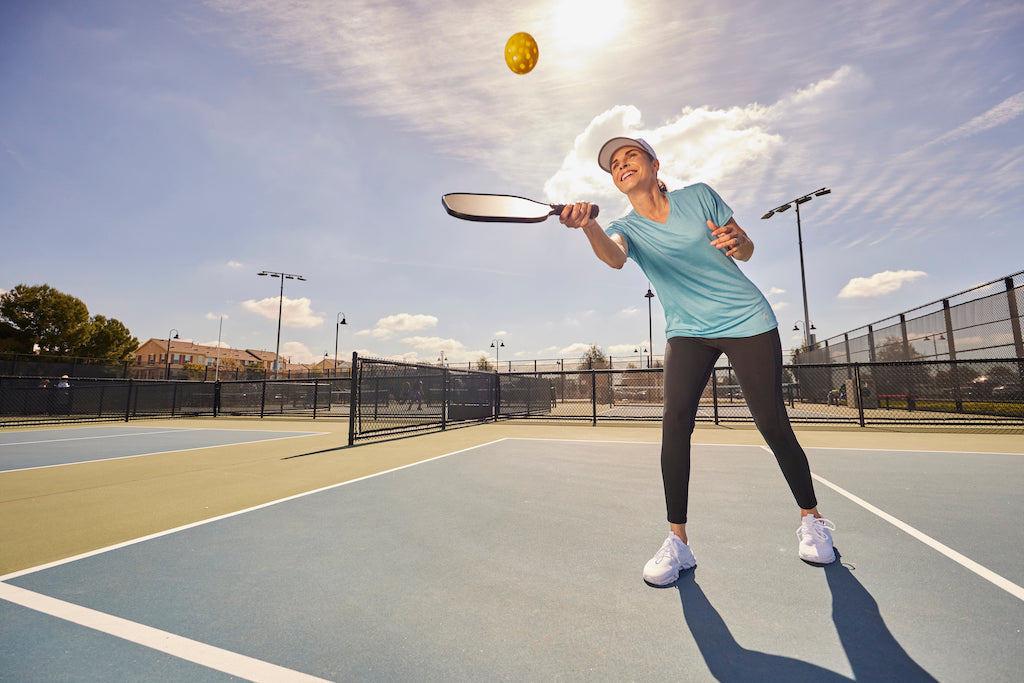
757 362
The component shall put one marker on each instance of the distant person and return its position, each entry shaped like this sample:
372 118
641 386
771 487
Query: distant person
417 396
64 395
686 242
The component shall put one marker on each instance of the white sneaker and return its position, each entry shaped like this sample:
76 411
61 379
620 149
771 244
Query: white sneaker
673 557
816 540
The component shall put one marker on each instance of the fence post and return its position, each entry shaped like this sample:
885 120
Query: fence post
263 397
859 396
593 393
128 401
1018 338
216 398
174 398
444 398
316 387
714 392
353 398
951 350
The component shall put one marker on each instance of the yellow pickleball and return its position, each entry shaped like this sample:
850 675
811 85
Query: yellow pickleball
521 53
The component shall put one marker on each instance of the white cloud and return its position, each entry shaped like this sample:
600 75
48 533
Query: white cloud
294 312
700 143
297 352
573 350
235 265
216 316
878 284
388 326
214 343
1004 112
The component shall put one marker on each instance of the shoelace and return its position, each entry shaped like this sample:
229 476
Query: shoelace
668 549
816 528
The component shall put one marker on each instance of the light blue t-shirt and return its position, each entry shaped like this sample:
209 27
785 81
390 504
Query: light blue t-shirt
703 292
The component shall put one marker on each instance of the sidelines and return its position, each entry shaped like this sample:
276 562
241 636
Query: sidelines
291 435
141 539
982 571
178 646
169 643
101 436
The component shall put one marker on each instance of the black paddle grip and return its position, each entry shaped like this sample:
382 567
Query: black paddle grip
556 209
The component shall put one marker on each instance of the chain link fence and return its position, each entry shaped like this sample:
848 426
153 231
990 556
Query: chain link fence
387 398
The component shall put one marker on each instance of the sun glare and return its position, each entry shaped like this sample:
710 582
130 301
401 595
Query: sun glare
582 24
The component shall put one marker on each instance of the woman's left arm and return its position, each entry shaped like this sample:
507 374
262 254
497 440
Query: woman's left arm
731 238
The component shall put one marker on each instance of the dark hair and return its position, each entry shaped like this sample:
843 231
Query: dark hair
661 185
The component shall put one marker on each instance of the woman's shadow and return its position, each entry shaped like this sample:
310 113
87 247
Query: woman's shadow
872 651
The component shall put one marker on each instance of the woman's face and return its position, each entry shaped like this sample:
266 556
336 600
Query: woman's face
632 167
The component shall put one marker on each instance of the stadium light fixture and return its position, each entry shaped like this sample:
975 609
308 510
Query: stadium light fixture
800 241
280 308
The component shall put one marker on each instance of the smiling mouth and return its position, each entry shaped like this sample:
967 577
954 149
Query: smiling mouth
626 175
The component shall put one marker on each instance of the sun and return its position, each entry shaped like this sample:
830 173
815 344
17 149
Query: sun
587 24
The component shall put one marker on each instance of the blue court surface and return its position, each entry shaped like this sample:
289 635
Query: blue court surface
50 447
521 559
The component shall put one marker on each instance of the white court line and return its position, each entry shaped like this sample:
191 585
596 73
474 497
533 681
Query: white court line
102 436
177 646
209 656
150 537
984 572
292 435
964 561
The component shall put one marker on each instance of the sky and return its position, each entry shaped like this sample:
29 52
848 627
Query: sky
156 156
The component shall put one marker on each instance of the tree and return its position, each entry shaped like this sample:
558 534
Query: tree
484 364
109 338
40 316
594 358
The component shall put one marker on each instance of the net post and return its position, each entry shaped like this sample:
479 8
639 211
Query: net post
593 393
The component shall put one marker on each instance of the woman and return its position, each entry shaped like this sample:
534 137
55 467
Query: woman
685 242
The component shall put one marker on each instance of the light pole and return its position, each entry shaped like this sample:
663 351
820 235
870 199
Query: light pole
442 359
280 308
169 350
650 328
337 326
497 345
800 240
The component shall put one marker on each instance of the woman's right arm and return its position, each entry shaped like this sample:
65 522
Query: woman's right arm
610 249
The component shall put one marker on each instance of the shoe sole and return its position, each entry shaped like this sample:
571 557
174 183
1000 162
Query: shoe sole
652 584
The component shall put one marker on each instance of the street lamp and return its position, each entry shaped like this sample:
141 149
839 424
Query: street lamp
800 240
650 329
935 346
169 350
337 326
497 345
442 359
280 307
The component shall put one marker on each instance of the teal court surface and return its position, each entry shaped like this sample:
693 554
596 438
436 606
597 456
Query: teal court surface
520 559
